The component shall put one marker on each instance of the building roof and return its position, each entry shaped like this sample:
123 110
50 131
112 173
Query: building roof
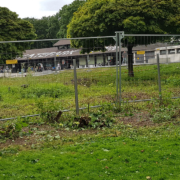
39 53
54 51
62 42
51 52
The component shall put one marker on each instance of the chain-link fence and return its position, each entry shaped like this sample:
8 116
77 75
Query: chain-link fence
51 74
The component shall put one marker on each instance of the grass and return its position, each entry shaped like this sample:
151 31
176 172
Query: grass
137 141
95 87
151 152
132 148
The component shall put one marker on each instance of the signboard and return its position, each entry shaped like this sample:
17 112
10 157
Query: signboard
157 49
140 52
15 61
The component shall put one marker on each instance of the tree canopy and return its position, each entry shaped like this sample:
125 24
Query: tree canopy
53 26
45 28
13 29
65 16
104 17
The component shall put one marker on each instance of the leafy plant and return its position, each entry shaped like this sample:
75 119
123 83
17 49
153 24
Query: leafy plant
49 112
52 91
12 130
164 115
94 120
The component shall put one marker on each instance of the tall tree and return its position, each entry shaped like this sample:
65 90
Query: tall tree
104 17
53 26
13 28
65 16
46 28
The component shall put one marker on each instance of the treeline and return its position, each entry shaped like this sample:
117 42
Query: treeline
55 26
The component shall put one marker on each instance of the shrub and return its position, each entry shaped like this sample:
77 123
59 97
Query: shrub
49 112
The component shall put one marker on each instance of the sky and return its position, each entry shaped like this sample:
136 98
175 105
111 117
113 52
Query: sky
34 8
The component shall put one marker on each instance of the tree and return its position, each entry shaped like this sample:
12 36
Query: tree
53 26
65 16
41 29
104 17
45 28
13 29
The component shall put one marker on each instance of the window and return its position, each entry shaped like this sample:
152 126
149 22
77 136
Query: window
162 52
178 50
64 47
171 51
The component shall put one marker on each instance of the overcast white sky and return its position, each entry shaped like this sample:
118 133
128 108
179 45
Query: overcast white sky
34 8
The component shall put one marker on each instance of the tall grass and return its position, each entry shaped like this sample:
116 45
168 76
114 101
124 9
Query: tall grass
95 86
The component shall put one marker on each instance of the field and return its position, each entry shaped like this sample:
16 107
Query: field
140 157
95 87
137 141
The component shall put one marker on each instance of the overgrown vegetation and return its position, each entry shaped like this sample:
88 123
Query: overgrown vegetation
134 141
95 87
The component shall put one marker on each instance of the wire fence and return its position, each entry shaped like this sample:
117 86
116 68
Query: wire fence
105 70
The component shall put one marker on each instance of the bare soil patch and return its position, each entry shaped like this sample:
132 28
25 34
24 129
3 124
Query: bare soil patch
142 119
136 95
39 135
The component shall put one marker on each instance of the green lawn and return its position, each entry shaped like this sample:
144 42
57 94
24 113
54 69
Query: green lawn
100 157
137 141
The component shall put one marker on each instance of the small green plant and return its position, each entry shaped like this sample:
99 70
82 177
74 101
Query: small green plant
12 130
94 120
49 112
164 115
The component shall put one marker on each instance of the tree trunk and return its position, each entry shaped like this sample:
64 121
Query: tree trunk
130 61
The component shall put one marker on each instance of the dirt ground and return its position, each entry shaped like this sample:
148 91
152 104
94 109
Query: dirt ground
41 133
142 119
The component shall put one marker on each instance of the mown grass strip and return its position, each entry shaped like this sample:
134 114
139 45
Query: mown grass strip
100 158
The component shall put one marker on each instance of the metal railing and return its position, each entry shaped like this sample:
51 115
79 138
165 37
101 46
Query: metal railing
90 87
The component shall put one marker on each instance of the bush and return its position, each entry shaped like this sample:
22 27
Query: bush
37 92
11 131
50 112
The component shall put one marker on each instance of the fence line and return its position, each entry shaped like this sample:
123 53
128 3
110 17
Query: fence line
98 106
79 77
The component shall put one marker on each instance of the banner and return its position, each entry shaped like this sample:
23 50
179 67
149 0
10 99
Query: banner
140 52
15 61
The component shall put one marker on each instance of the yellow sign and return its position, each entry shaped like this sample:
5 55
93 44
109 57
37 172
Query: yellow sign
137 58
157 49
15 61
140 52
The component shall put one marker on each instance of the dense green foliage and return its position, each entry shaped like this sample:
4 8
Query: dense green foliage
95 87
102 18
55 26
12 29
46 28
105 17
65 16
